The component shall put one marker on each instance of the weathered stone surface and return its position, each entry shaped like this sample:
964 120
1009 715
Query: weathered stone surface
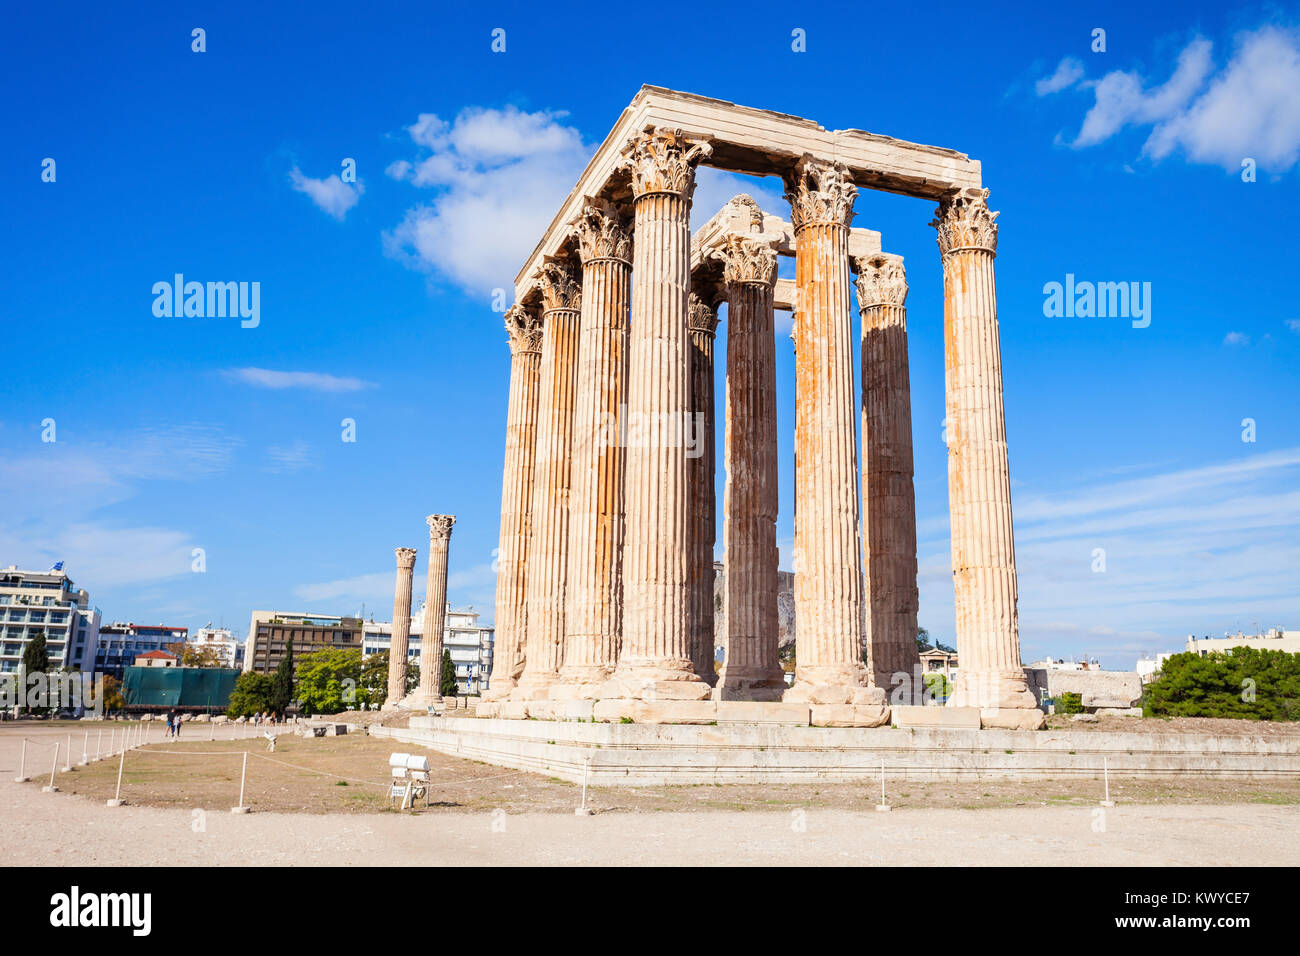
593 617
950 717
435 612
1012 718
401 628
756 712
702 320
849 715
979 479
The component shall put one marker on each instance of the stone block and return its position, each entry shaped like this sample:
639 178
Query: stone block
513 710
1005 718
848 715
951 718
612 711
675 711
761 712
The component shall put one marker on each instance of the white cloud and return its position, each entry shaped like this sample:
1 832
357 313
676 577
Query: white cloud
332 195
1068 72
317 381
1249 109
1121 100
499 176
1293 325
1236 338
289 458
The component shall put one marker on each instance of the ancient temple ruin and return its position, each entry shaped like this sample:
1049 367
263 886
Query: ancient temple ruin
605 569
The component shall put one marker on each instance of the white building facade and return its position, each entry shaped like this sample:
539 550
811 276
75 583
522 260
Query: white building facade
1274 639
469 643
46 602
221 640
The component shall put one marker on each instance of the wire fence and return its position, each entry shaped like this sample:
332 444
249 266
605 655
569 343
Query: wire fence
95 747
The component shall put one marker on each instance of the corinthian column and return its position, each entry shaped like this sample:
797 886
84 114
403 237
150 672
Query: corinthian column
525 331
655 658
751 669
547 551
888 499
401 628
702 322
435 610
979 481
593 619
827 561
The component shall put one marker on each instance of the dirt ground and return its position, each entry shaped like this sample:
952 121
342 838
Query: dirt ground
350 775
1178 725
488 816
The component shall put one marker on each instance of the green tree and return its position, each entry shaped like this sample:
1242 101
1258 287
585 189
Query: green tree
36 660
1244 683
328 680
190 655
282 682
372 687
938 686
448 683
922 639
1069 703
252 694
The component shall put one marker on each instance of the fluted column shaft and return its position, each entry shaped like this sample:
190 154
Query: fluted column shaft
397 647
547 551
594 615
750 667
435 609
655 657
979 480
888 497
828 562
516 501
701 462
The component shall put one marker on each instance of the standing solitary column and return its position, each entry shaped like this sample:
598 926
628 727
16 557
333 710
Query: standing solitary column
888 498
547 552
401 628
702 321
655 659
751 669
435 610
827 559
593 619
979 479
525 331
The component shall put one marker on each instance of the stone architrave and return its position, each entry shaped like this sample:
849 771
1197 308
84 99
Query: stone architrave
547 551
655 661
979 479
397 648
525 332
701 458
435 611
827 559
888 498
751 668
593 618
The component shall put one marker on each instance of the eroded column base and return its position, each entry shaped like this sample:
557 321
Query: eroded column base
655 682
750 687
1007 718
835 684
1001 690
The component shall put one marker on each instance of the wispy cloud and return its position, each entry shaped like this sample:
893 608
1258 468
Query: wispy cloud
331 195
315 381
497 176
1068 72
1236 338
1249 108
289 458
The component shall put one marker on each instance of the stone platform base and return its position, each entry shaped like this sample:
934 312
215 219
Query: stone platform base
741 751
616 710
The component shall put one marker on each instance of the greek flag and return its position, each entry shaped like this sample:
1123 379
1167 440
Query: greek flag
58 566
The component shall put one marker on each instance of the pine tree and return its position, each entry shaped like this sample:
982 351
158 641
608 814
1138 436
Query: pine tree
448 688
36 660
282 686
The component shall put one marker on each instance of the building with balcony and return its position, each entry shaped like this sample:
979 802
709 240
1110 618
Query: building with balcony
222 641
46 602
120 644
1274 639
269 634
469 642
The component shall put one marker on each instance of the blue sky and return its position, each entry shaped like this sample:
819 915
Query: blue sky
376 297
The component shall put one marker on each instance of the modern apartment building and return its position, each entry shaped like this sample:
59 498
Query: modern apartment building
36 602
120 644
269 633
469 642
229 650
